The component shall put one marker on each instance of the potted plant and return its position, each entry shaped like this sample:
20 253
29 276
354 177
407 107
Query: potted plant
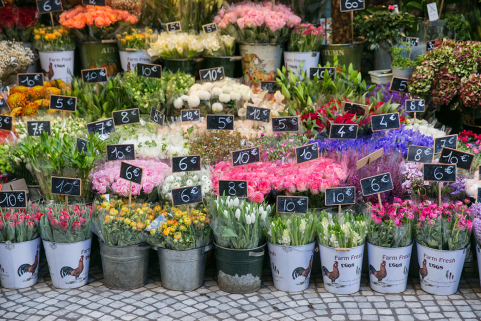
402 66
443 235
56 50
291 242
430 29
341 244
67 239
304 48
458 27
133 47
219 52
239 242
389 244
19 247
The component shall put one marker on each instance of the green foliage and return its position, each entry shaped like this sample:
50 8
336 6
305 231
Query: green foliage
401 56
458 26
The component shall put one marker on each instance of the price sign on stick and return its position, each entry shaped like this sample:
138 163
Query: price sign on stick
36 128
30 80
190 115
102 127
93 76
270 86
212 74
2 4
292 204
185 164
131 173
376 184
385 121
357 109
174 26
321 72
120 152
460 159
446 141
342 131
63 103
233 188
81 145
13 199
413 41
6 123
415 105
245 156
4 105
307 153
258 114
369 158
420 154
340 196
157 117
285 124
66 186
149 70
430 45
210 27
352 5
186 195
100 3
399 85
47 6
224 122
439 172
126 116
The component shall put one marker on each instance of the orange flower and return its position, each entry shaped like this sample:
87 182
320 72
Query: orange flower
16 100
30 109
17 111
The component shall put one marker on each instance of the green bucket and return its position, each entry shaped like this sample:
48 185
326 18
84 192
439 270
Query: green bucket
346 54
232 65
100 55
239 271
175 65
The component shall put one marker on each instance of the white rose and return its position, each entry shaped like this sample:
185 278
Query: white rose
194 88
217 107
176 185
224 98
169 179
195 178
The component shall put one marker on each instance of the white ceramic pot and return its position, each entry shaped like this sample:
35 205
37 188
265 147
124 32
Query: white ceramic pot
19 264
260 62
440 271
401 72
380 76
68 263
293 61
388 268
57 65
291 266
341 270
130 59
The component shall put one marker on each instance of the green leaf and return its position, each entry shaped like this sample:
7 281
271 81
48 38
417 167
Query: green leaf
228 233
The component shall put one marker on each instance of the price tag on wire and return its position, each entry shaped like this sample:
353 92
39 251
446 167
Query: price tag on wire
30 80
47 6
343 131
307 153
94 76
439 173
285 124
182 164
292 204
258 114
63 103
399 84
212 74
149 70
66 186
190 115
120 152
446 141
223 122
36 128
452 156
126 116
340 196
420 154
376 184
13 199
233 188
186 195
131 173
245 156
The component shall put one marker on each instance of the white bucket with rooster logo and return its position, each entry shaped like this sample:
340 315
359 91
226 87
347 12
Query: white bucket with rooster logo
19 264
388 268
68 263
130 59
57 65
291 266
341 269
440 271
293 61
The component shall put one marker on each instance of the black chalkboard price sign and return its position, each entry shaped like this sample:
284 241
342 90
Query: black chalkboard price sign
6 123
4 105
126 116
185 164
102 127
233 188
186 195
430 45
270 86
415 105
224 122
13 199
245 156
36 128
149 70
292 204
81 145
210 27
258 114
93 76
120 152
343 131
47 6
212 74
64 103
30 80
100 3
376 184
439 173
340 196
460 159
399 85
307 153
321 72
414 42
385 121
131 173
357 109
446 141
174 26
190 115
478 197
420 154
285 124
156 116
66 186
2 4
352 5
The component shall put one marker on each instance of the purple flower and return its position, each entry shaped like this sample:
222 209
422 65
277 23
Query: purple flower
477 230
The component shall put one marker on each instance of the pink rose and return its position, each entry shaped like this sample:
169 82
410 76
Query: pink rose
257 197
240 23
263 187
301 184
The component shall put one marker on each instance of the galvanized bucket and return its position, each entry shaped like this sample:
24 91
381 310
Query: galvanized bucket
346 54
182 270
125 267
239 271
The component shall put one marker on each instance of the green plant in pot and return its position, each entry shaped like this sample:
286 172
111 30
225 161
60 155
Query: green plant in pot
458 27
402 65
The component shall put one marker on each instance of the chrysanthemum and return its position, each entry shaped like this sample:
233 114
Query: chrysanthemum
54 91
43 103
30 109
37 92
19 89
16 100
17 111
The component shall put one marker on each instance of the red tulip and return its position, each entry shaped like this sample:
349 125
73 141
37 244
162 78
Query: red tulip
64 225
76 225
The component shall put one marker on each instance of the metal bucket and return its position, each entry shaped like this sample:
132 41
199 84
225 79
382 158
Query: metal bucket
125 267
239 271
176 65
99 54
182 270
346 54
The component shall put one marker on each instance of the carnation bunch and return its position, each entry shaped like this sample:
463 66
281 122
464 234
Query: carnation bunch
292 230
390 225
21 225
62 225
345 230
306 38
178 45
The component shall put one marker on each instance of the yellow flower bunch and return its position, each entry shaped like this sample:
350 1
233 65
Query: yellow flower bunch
53 39
136 39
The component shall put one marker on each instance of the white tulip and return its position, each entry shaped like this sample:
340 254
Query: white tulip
268 209
248 219
253 218
237 214
226 213
236 202
263 216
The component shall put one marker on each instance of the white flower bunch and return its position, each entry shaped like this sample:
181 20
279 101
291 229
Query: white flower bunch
72 126
341 231
178 180
14 58
176 46
275 103
472 185
217 45
158 145
425 128
294 230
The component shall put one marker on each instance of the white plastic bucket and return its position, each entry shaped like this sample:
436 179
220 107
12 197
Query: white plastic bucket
293 61
440 271
130 59
260 62
67 259
57 65
19 264
388 268
478 257
291 266
341 270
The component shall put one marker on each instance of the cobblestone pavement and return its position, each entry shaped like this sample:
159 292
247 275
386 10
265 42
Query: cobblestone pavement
153 302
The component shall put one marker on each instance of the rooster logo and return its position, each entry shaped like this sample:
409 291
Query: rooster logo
300 271
27 268
50 73
381 274
128 66
66 270
424 270
334 275
1 268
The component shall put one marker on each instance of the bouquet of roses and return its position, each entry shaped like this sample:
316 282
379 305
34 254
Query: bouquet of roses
293 230
237 224
53 39
16 23
390 226
445 226
178 45
306 38
66 226
341 231
20 226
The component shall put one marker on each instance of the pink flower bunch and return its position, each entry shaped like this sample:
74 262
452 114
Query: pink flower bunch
399 212
314 176
66 225
429 212
309 29
20 226
108 176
